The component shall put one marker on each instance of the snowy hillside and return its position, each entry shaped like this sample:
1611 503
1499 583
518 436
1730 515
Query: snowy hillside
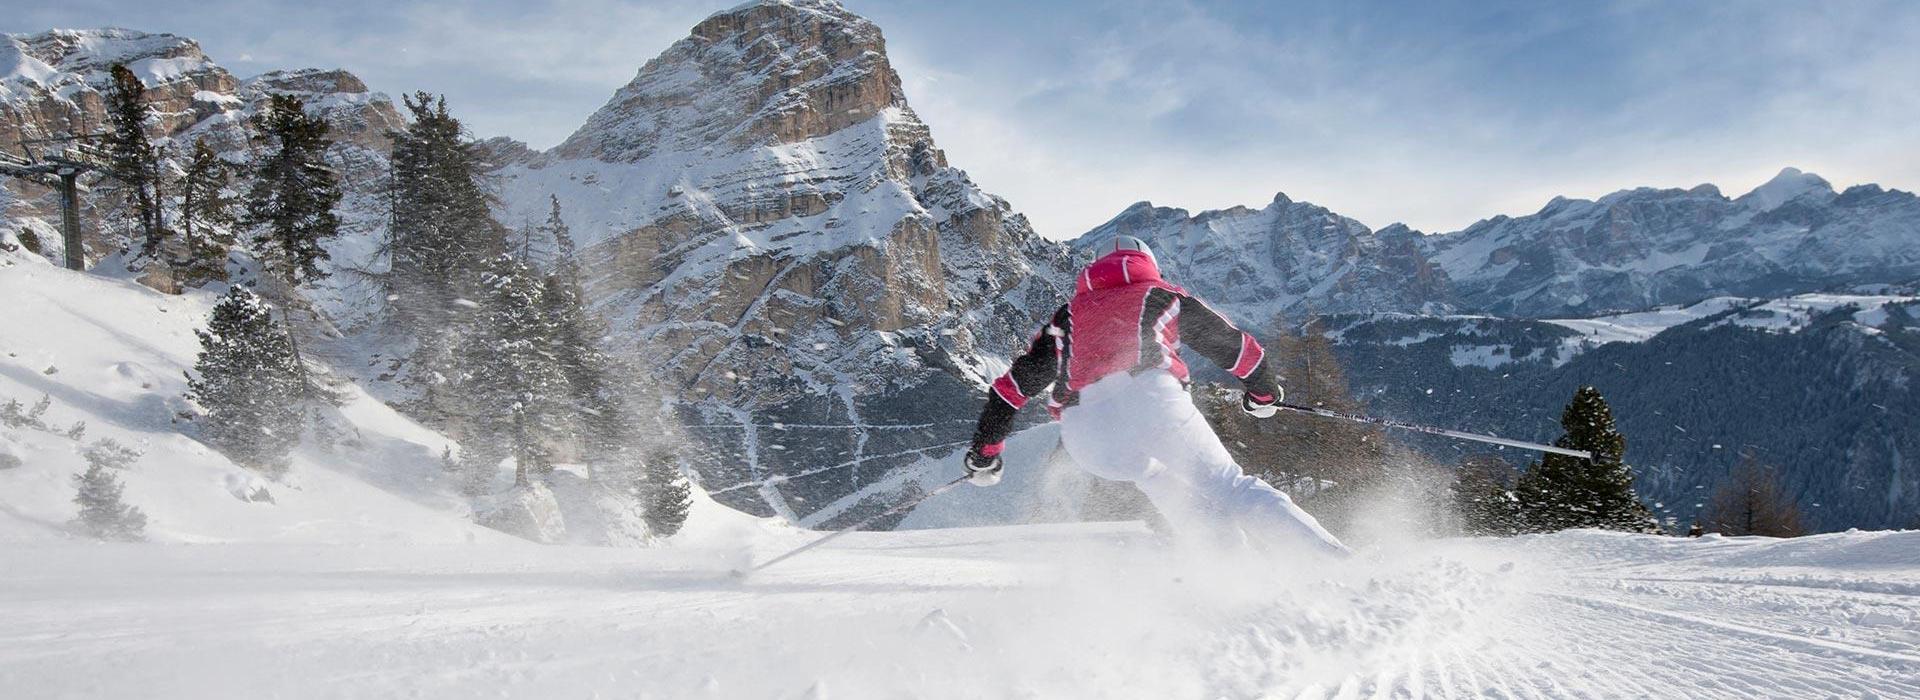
1026 611
111 355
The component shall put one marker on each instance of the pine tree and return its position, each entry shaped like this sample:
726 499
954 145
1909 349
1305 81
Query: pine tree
206 210
511 382
562 235
666 494
251 384
444 239
1751 501
132 159
103 513
1562 492
291 203
599 418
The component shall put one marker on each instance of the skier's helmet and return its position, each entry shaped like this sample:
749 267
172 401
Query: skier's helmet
1120 243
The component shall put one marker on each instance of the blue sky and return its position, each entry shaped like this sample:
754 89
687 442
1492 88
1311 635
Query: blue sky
1433 114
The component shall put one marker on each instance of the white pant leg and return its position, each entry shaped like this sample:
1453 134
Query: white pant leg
1145 429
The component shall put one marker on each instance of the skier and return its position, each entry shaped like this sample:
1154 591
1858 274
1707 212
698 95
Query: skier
1119 390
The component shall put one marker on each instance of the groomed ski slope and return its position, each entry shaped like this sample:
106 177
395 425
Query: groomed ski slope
1035 611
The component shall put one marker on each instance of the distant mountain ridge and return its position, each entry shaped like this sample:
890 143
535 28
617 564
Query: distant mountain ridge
1632 249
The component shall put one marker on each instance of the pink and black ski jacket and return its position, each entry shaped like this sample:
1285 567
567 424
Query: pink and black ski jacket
1123 318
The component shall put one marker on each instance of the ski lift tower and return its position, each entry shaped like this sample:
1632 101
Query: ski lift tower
60 169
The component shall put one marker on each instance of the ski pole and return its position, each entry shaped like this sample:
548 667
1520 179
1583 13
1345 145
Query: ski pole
1582 454
949 486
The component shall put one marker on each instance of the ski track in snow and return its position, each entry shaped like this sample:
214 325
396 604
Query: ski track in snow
1082 610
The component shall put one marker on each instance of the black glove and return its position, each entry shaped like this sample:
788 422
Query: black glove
1261 406
983 470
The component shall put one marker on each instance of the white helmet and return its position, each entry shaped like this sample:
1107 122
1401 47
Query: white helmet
1119 243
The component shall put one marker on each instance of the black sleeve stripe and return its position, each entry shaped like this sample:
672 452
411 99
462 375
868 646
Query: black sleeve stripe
1218 340
1032 372
1152 309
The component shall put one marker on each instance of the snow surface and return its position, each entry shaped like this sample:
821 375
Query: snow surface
1091 610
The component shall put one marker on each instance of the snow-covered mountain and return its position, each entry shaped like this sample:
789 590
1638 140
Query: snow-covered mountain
775 234
1287 258
1644 247
1632 249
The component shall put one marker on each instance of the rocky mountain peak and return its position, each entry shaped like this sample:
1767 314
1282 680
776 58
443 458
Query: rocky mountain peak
87 51
1790 184
1283 261
776 234
779 71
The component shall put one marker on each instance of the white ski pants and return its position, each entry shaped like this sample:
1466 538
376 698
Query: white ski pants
1144 429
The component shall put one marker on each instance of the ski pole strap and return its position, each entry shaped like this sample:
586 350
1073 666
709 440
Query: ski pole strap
1430 430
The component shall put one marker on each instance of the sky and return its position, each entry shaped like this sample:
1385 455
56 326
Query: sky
1431 114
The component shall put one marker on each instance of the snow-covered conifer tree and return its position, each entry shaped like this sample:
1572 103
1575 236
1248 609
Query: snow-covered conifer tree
132 159
665 493
103 513
444 239
205 209
1562 492
599 419
291 203
251 383
511 382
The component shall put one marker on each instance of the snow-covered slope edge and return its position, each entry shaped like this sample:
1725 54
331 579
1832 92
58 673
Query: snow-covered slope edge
111 354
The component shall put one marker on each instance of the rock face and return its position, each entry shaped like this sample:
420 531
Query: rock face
52 83
1628 250
777 237
1286 260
